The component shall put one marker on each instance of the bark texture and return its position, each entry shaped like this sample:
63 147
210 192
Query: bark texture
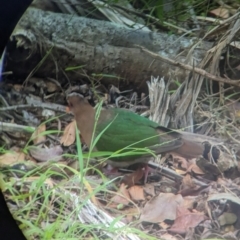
54 41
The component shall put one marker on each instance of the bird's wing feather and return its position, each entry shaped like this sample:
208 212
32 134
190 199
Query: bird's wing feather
128 129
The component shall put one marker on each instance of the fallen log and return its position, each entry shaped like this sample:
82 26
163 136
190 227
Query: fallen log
50 44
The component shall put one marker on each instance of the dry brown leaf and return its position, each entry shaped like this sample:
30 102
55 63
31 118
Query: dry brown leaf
187 181
161 207
149 189
52 87
37 136
189 201
136 193
11 157
132 178
220 12
130 214
179 171
194 168
186 220
69 134
180 160
167 236
164 225
213 169
122 196
194 190
46 154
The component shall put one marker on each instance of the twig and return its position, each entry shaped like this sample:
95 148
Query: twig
172 174
12 127
51 106
191 68
3 100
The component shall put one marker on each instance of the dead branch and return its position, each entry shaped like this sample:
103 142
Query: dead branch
192 68
12 127
54 107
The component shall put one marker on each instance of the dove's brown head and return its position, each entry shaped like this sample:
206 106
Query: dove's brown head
84 115
76 100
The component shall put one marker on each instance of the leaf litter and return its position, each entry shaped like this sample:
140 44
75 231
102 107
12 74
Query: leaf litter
170 206
202 200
